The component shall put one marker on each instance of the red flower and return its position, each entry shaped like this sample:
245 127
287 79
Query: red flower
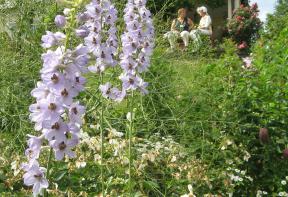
243 45
285 153
264 135
254 6
239 18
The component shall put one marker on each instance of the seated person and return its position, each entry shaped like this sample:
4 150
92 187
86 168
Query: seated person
180 28
205 25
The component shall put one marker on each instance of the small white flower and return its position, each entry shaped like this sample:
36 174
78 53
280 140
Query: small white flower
190 188
128 116
283 182
66 11
229 142
174 158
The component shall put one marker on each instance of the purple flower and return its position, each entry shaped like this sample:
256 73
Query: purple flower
60 21
93 42
35 177
34 143
106 90
63 147
83 17
75 113
52 60
94 10
82 31
55 130
112 93
41 92
43 110
52 39
130 82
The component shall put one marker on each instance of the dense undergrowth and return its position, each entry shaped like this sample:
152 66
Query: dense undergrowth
199 125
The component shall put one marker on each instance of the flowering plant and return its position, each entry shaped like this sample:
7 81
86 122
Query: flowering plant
56 113
243 28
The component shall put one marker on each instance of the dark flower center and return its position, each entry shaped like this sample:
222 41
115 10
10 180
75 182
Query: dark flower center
64 93
62 146
77 79
131 81
74 110
94 40
130 66
135 27
38 176
103 55
55 78
52 106
97 11
56 126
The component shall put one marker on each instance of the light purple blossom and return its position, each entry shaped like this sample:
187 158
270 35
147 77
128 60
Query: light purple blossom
82 31
35 176
112 93
76 112
52 39
34 147
60 21
55 130
63 147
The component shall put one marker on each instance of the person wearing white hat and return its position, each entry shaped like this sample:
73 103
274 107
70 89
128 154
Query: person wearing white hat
205 25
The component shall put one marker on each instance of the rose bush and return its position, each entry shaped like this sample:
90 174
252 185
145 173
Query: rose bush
244 26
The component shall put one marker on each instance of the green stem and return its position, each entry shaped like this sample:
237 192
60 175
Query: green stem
102 139
130 142
48 168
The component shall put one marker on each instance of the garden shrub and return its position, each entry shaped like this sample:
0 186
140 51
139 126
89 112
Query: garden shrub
244 26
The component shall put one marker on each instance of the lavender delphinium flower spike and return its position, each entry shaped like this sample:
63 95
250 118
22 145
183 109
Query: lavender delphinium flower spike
137 43
99 32
61 82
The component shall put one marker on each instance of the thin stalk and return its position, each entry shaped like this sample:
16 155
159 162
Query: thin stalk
102 139
48 168
131 129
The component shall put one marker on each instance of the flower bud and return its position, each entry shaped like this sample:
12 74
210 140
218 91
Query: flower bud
66 11
60 21
82 32
285 153
83 17
264 135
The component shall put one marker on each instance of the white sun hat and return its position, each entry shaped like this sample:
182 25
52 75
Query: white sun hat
202 8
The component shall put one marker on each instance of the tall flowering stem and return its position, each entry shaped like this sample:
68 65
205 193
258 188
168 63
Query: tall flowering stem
57 114
137 44
99 32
